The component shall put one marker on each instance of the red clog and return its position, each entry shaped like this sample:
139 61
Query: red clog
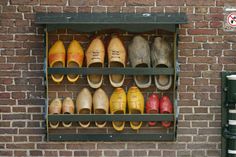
166 107
152 106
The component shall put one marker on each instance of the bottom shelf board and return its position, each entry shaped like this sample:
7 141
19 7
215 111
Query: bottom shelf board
112 137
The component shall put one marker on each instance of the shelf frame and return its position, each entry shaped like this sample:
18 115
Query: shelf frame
134 23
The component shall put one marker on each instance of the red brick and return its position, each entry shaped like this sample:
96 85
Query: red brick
66 153
200 2
216 24
70 9
110 153
11 16
80 153
54 2
202 10
6 153
99 9
24 8
5 109
111 2
201 88
125 153
20 146
113 9
50 146
195 17
5 95
141 9
36 153
16 117
140 3
189 46
200 38
50 153
201 24
170 3
20 138
9 9
83 2
209 60
20 153
188 103
202 32
214 17
33 132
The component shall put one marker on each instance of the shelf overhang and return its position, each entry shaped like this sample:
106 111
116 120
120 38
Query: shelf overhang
132 22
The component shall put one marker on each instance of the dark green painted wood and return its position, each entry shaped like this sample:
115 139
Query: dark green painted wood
132 22
102 117
107 71
111 137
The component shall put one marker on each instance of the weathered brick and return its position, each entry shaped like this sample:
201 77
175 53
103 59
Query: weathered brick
111 2
81 146
20 153
54 2
200 3
140 3
81 153
50 146
20 146
202 32
110 153
83 2
36 153
125 153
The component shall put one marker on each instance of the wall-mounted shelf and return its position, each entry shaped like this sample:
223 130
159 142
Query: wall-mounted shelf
130 22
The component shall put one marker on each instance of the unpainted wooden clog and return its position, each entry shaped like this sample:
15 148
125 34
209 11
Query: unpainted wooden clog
135 104
118 106
95 58
116 58
162 56
68 107
152 106
100 105
57 59
166 107
55 108
139 55
75 57
84 105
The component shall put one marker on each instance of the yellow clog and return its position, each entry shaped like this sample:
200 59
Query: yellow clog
75 57
135 104
118 106
57 56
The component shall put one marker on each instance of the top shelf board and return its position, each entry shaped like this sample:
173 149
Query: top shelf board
134 22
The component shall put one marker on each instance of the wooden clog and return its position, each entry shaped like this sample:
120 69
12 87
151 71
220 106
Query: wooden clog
75 57
57 56
118 106
135 104
84 105
68 107
166 107
139 55
55 108
162 56
95 58
152 106
100 105
116 58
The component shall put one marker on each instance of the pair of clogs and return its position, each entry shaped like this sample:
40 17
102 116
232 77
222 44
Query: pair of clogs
95 55
161 55
118 103
57 107
155 106
99 101
57 59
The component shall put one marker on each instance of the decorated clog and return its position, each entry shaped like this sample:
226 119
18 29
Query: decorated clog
55 108
84 105
68 107
75 57
118 106
100 105
95 58
166 107
152 106
135 104
139 55
116 58
57 56
162 57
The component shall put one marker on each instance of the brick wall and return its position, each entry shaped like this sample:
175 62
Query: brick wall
205 51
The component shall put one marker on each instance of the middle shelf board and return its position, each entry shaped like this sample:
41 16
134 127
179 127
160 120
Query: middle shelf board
110 117
108 71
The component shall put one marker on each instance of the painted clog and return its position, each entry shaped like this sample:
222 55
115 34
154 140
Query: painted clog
152 106
75 57
118 106
166 107
135 104
116 58
162 57
84 105
57 56
139 55
100 105
95 58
